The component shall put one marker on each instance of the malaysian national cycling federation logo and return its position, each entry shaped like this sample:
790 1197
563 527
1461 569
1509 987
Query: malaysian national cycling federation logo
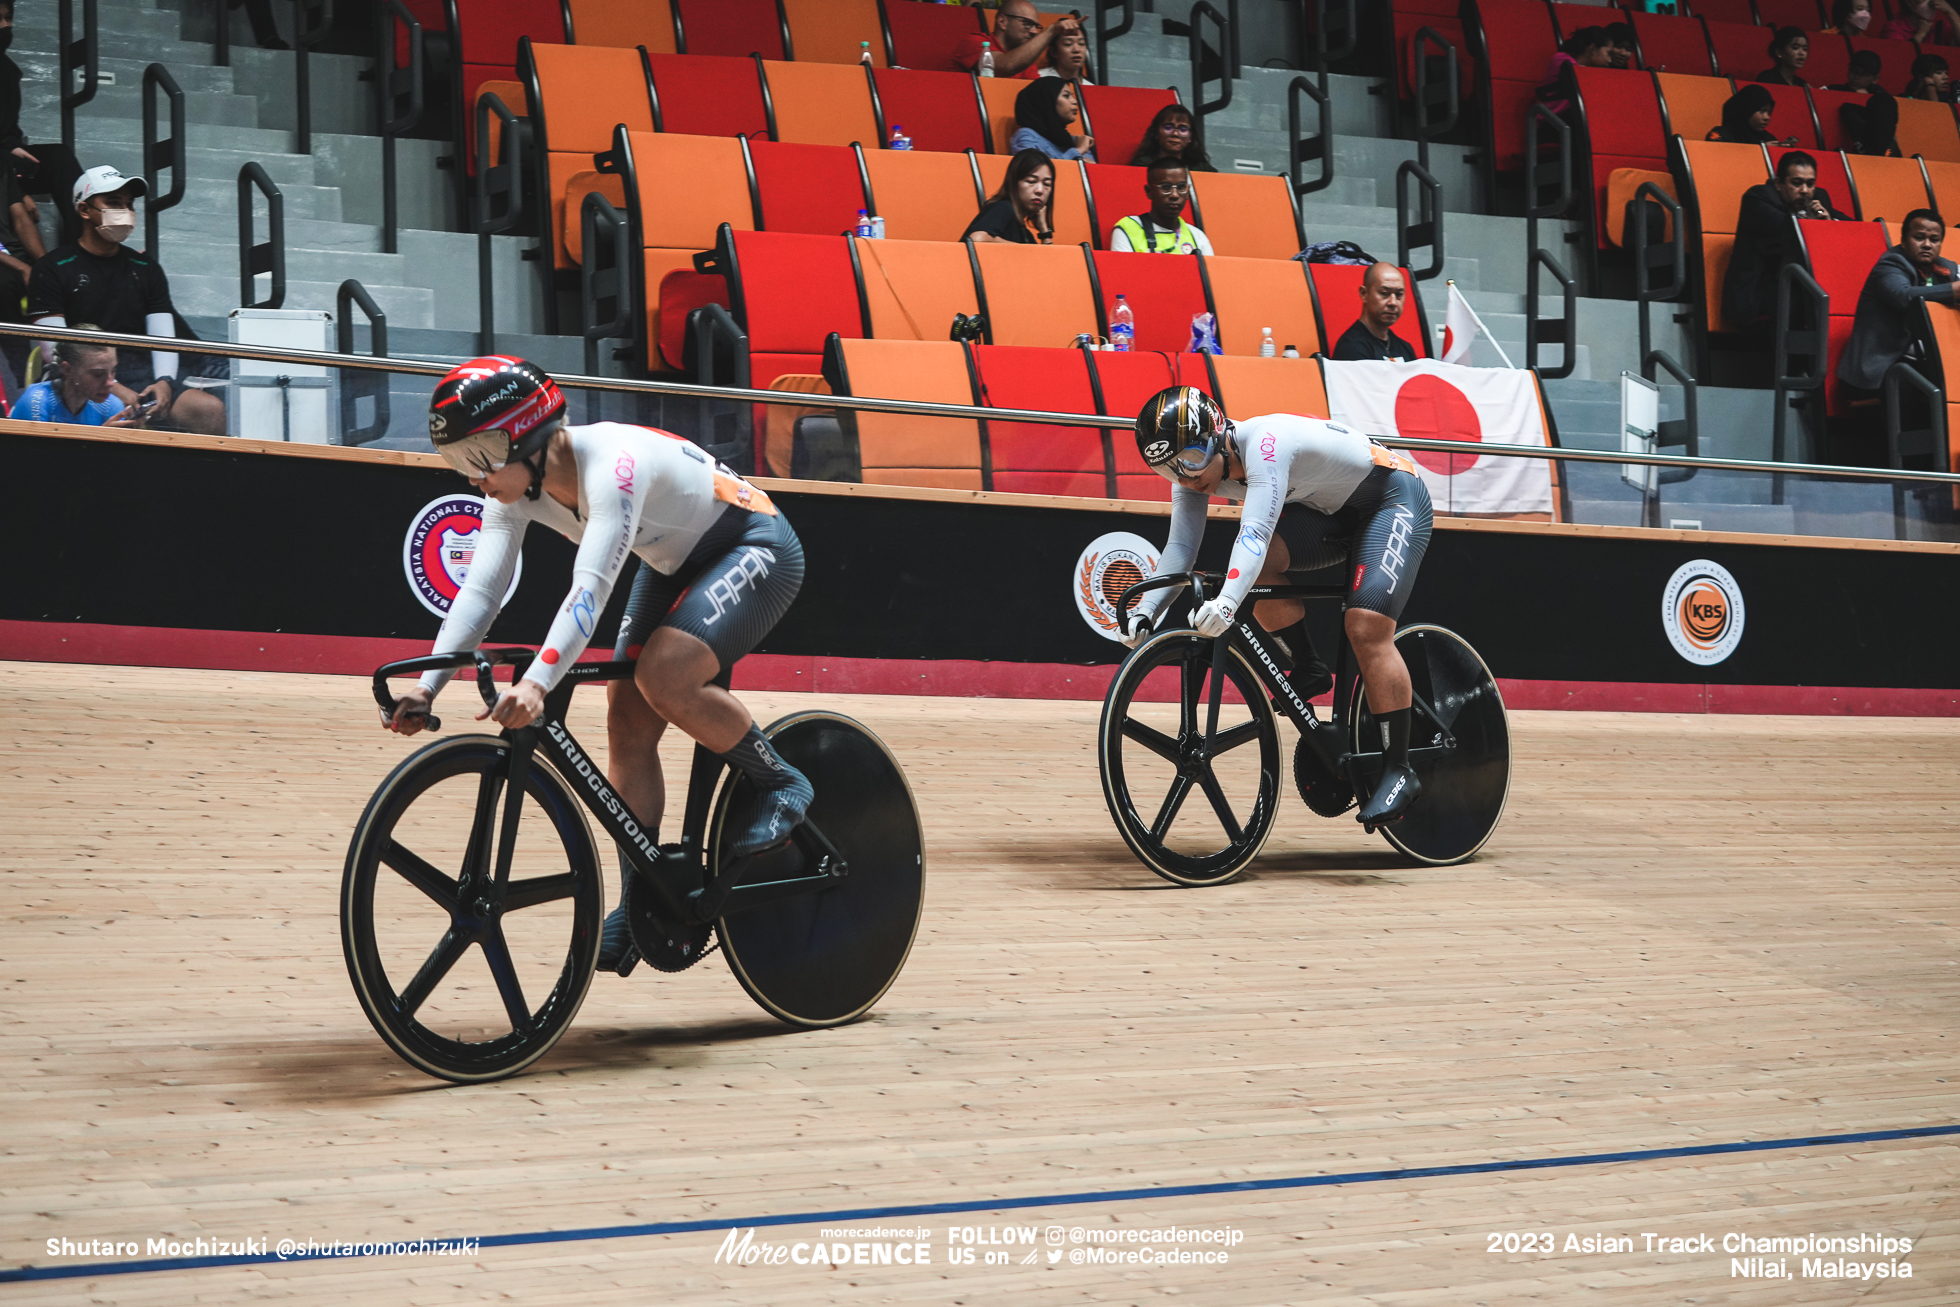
1109 566
439 548
1701 610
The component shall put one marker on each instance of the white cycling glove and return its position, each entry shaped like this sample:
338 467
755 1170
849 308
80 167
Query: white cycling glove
1214 618
1141 624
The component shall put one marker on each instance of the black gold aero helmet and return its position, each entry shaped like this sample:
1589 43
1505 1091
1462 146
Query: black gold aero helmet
1179 431
492 410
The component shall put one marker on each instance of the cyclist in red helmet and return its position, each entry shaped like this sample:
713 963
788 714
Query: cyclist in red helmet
719 566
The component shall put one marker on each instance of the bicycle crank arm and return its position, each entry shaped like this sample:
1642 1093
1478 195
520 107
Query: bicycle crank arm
741 888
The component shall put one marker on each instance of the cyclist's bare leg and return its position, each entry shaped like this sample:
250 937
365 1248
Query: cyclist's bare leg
675 676
1383 672
633 731
1277 614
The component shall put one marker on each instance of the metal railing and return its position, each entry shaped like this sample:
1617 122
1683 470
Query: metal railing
312 19
221 41
922 408
1797 289
605 276
1427 229
1200 107
1333 34
167 153
1427 130
1540 330
497 208
1683 433
1537 330
256 257
362 384
391 83
77 54
1105 33
1902 443
1303 148
1647 256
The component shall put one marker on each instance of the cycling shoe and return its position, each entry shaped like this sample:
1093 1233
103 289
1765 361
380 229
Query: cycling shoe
617 952
772 814
1398 789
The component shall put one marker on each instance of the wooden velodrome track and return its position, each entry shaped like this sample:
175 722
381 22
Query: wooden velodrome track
1688 932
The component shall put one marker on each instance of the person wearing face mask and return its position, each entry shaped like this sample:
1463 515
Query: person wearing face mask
1926 21
95 279
30 169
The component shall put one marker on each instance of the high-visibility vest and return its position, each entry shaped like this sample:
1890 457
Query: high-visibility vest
1146 237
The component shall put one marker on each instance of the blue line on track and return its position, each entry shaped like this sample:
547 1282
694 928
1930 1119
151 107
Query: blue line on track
97 1269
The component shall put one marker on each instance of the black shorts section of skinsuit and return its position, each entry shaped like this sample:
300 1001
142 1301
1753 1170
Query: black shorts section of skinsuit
1383 530
734 587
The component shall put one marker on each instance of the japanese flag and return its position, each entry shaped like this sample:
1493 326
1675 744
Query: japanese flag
1460 325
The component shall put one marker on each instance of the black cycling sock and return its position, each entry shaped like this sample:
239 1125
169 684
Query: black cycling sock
1299 642
1395 736
753 757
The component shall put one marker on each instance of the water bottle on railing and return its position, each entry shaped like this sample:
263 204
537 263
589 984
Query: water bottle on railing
864 53
1267 349
1122 326
900 141
986 58
864 227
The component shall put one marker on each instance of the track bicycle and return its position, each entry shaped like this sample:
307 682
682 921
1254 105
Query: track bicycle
1188 713
471 842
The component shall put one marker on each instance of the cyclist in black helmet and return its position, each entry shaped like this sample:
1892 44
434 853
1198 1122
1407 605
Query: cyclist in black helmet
720 566
1315 495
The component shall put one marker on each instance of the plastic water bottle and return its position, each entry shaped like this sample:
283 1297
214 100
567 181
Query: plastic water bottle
1122 326
900 141
864 224
864 53
878 228
1290 352
986 58
1266 347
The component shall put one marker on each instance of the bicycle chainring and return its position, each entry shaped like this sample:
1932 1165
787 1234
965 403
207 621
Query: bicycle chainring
1324 794
663 945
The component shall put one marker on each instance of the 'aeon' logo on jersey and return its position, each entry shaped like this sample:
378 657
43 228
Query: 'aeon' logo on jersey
1701 611
623 473
1267 444
440 549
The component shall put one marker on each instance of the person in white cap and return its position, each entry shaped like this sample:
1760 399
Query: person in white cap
94 279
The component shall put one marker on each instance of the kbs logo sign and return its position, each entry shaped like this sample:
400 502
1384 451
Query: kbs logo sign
1702 612
1110 565
440 547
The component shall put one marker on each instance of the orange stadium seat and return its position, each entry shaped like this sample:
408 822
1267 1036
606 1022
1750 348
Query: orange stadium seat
899 450
576 96
1248 294
1247 215
1841 255
1691 107
1164 292
1069 204
1831 175
921 195
1037 458
1253 387
730 27
1666 43
1337 300
1739 51
1713 176
939 111
997 103
911 290
1124 384
1943 179
1792 115
789 292
671 224
623 23
924 35
707 95
1034 294
1514 41
1888 188
814 189
830 31
819 104
1619 127
1118 116
1926 128
1830 119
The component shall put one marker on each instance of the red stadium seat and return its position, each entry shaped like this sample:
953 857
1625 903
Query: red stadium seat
1115 192
1830 121
1791 13
1671 44
788 292
1514 42
1830 61
1118 116
1739 51
1792 115
1124 384
923 35
1831 175
730 27
1841 255
1619 127
1569 19
814 189
1035 458
1895 59
939 111
1164 292
707 95
1337 298
1406 26
1724 11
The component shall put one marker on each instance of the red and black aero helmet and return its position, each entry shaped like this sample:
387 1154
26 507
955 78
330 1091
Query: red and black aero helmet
492 410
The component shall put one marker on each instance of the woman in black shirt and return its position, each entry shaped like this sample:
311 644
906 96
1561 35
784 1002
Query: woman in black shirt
1745 118
1018 213
1790 50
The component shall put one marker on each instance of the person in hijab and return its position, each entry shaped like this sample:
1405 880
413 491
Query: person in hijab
1745 118
1043 113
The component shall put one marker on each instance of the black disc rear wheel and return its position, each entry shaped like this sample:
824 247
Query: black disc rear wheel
1191 796
1462 758
824 957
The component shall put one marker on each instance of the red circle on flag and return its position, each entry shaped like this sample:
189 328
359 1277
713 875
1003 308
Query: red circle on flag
1430 408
